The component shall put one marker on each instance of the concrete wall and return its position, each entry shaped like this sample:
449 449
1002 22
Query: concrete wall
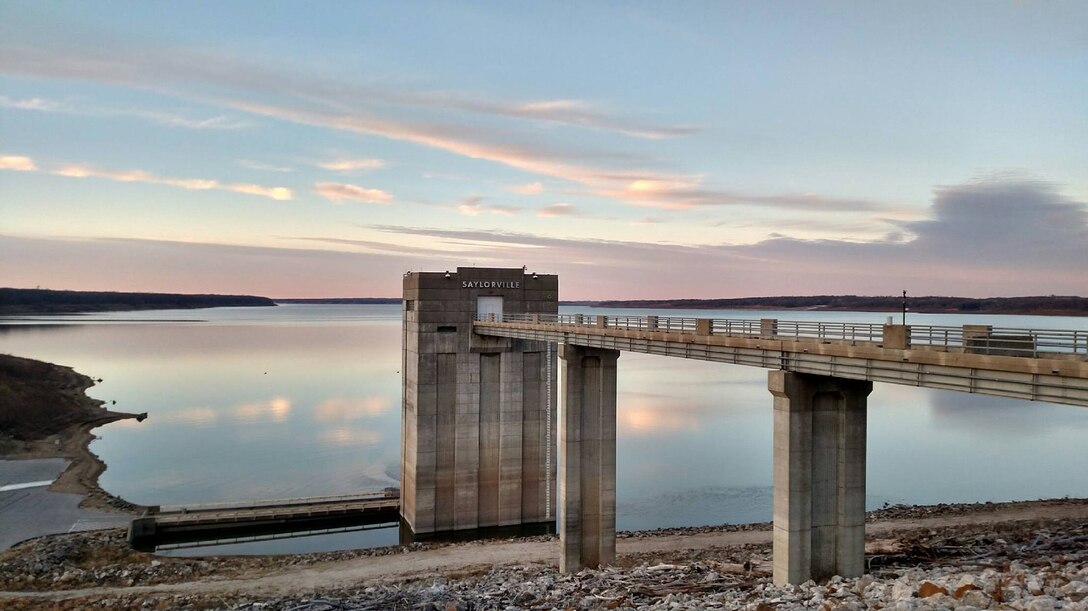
479 415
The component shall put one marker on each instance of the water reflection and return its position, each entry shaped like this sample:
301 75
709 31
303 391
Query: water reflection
273 410
304 401
339 409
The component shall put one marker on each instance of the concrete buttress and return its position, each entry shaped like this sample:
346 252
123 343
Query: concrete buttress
819 476
587 447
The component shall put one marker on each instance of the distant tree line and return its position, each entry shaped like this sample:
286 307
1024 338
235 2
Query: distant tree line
1049 305
44 301
345 300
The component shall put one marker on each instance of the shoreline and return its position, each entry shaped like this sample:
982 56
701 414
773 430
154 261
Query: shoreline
58 393
1008 551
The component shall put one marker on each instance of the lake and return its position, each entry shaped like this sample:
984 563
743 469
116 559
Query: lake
304 400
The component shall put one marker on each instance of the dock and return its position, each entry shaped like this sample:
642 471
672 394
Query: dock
212 522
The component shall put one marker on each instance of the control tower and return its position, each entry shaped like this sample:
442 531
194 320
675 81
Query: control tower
479 413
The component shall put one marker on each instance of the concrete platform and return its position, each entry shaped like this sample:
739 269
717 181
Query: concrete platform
28 509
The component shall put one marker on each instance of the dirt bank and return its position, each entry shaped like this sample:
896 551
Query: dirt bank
46 413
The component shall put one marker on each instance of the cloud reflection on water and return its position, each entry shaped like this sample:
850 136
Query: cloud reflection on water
339 409
347 436
274 410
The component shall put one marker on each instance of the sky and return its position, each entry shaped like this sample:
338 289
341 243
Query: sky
639 150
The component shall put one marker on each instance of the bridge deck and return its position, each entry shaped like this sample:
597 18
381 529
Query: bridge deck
1037 365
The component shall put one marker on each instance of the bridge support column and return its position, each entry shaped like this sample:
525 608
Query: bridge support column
819 476
587 445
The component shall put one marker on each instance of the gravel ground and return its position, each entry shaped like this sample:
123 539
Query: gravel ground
1032 564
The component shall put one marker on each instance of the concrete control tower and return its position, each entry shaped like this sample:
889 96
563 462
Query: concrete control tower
479 412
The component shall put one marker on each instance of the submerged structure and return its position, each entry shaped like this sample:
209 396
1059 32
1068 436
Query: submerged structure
479 412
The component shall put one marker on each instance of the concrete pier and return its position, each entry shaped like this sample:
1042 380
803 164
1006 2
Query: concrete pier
587 446
819 476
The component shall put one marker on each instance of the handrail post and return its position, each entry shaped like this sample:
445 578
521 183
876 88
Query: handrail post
702 326
897 337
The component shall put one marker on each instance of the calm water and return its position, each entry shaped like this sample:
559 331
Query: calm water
303 400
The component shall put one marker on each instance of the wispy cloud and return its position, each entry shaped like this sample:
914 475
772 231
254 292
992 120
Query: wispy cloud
264 167
560 209
532 188
193 184
15 162
1032 241
474 206
341 192
144 67
351 165
38 104
304 97
162 118
680 193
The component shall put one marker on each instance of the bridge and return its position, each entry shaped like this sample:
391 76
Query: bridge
477 423
821 376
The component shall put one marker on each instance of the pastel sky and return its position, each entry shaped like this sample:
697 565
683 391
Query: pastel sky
637 149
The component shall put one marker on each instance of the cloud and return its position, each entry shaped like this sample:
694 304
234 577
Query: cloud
162 118
263 167
304 97
38 104
17 163
340 192
474 206
114 62
574 113
193 184
681 193
985 238
559 209
532 188
351 165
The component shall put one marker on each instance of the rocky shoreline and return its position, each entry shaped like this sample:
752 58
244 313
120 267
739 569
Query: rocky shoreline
980 558
46 413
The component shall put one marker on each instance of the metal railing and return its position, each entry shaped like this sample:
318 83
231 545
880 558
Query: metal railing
975 339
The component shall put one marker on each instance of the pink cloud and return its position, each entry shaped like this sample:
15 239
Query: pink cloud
532 188
351 165
474 206
340 192
17 163
559 209
192 184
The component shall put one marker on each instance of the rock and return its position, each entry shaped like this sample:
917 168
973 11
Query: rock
928 588
964 589
902 590
1039 603
975 598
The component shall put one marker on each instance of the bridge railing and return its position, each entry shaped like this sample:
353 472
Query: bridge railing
1004 341
975 339
841 331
